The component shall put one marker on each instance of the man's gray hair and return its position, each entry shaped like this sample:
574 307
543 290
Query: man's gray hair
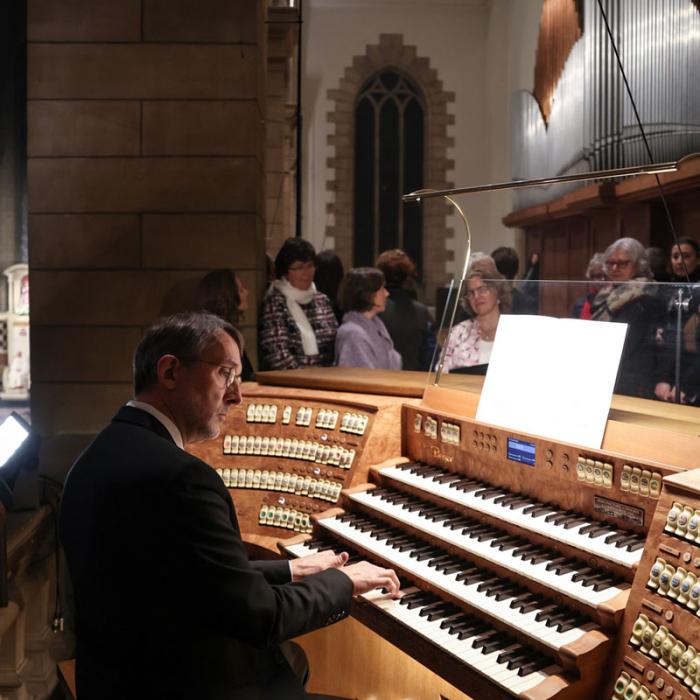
185 335
636 253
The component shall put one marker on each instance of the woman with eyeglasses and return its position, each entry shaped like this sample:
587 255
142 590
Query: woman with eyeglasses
297 323
471 341
633 300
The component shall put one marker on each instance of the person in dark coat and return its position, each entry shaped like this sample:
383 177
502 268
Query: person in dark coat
167 603
632 299
409 322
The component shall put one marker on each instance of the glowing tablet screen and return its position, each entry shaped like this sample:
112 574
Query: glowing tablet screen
12 435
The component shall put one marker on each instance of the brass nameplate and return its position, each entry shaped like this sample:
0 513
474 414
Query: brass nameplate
621 511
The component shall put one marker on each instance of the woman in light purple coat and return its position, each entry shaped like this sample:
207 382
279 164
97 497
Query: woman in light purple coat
362 339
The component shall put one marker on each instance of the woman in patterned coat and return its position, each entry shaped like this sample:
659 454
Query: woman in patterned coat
297 323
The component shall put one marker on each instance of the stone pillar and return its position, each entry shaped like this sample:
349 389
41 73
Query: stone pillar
146 149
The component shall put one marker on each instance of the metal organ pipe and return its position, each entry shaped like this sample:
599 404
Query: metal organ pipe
592 125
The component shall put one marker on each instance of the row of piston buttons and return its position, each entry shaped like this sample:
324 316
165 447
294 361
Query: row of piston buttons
285 482
683 521
262 413
593 471
450 433
354 423
675 583
628 688
677 658
291 448
288 518
484 441
641 481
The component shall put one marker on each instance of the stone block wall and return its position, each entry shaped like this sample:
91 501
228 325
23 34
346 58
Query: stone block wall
146 146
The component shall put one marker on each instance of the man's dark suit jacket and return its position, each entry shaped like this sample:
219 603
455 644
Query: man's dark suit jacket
167 603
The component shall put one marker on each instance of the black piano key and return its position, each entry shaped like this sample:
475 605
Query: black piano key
505 656
567 567
512 544
626 541
582 573
615 537
466 573
488 493
446 478
487 583
574 521
635 546
556 518
536 665
425 554
525 657
518 503
467 486
552 565
546 611
538 509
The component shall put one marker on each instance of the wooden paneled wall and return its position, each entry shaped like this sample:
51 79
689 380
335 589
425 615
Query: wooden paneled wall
146 143
567 231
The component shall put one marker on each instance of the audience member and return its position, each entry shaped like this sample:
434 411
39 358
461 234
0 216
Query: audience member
689 374
222 293
329 275
687 251
297 323
657 264
408 321
524 298
595 273
470 342
631 299
363 340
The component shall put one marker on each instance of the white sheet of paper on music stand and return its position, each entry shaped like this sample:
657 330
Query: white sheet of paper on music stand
552 377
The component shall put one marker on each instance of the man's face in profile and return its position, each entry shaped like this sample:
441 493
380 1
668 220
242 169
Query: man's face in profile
209 386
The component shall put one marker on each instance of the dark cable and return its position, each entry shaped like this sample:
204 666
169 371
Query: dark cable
643 133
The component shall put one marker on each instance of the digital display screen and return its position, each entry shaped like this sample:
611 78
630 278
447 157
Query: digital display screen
521 451
12 435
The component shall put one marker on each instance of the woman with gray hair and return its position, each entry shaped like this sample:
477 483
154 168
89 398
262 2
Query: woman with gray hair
633 300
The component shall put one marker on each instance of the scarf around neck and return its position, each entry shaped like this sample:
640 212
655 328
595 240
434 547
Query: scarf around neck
610 299
294 298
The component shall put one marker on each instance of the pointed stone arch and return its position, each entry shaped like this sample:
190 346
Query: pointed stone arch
392 52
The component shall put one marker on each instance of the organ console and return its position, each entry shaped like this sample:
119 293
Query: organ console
518 555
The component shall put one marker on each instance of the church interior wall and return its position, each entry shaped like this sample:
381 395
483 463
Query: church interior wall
497 38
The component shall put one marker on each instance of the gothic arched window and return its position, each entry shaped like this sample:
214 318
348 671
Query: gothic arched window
389 137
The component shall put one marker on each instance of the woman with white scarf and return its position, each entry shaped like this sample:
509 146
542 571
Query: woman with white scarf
297 323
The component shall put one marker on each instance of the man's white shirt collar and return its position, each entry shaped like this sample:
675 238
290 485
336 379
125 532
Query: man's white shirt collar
162 418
